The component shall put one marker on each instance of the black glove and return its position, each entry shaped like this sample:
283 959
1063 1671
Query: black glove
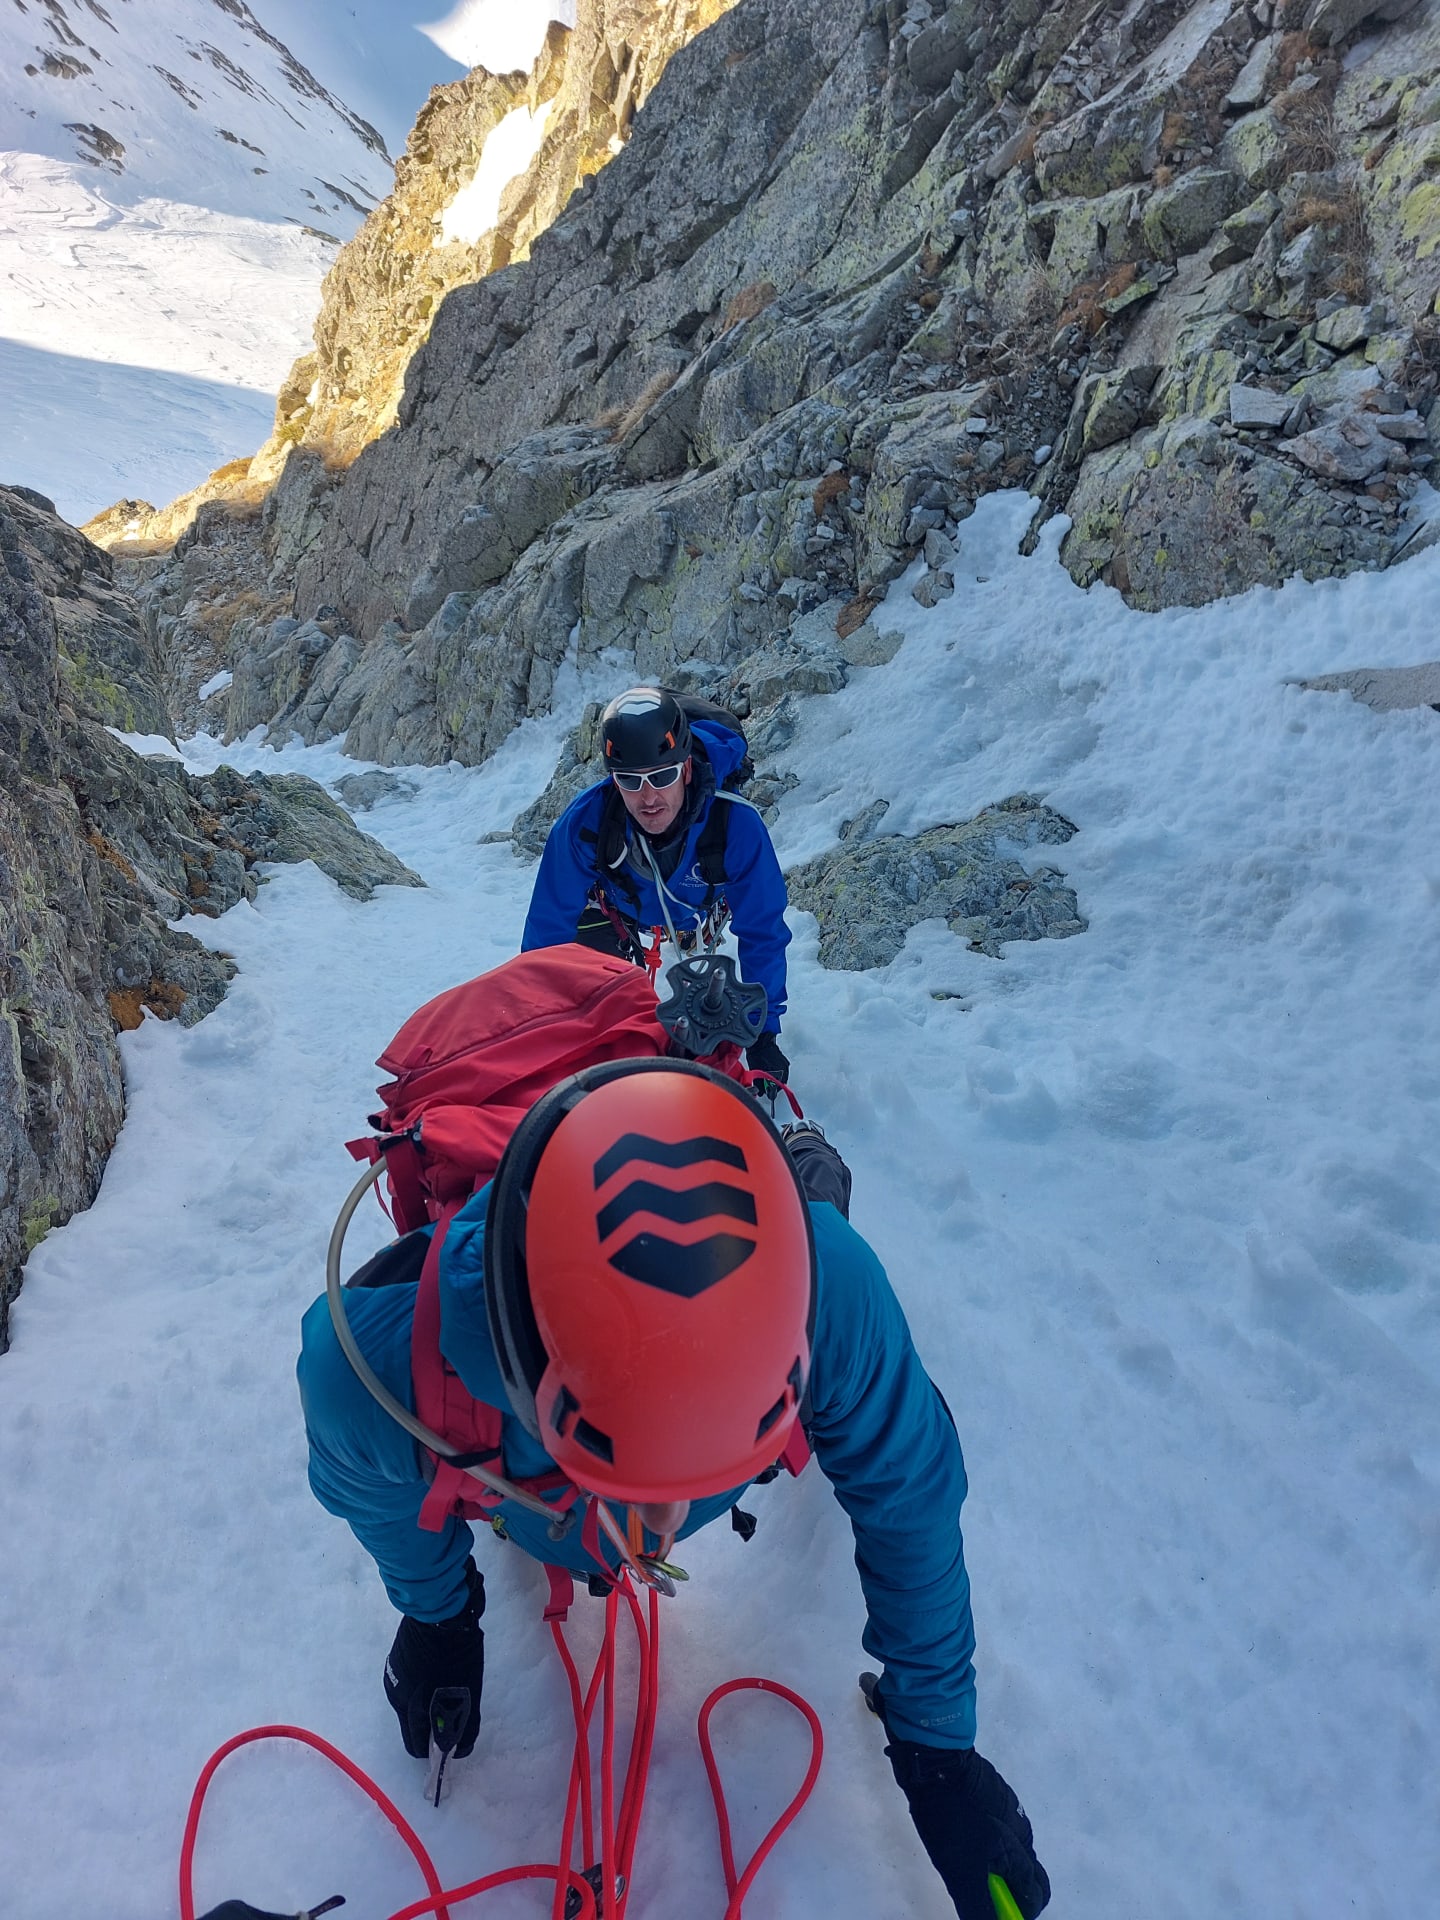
971 1825
764 1056
426 1655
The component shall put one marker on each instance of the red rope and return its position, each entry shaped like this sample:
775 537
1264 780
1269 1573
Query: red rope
619 1829
738 1886
386 1805
748 1077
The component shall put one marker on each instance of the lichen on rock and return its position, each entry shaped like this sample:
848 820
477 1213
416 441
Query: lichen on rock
868 891
822 301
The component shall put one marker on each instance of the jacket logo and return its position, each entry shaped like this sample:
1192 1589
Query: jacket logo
654 1257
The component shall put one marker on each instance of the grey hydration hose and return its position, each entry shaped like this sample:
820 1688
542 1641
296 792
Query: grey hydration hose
560 1523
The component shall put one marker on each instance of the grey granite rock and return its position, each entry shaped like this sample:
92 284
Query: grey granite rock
361 791
1178 218
1179 514
99 850
1386 689
868 892
800 324
1329 21
931 588
1259 406
285 816
1351 448
1252 88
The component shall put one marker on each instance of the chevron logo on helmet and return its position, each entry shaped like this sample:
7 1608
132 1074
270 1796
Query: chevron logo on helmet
653 1257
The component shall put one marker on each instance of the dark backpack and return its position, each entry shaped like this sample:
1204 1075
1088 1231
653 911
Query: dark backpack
710 848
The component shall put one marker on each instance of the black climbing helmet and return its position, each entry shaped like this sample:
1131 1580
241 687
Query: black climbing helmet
644 728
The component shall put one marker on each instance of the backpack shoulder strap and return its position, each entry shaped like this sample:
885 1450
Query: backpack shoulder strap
710 847
611 844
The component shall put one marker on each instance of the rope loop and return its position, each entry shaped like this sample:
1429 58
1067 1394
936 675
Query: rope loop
612 1851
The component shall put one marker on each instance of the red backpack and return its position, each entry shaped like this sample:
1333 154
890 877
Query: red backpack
470 1064
468 1067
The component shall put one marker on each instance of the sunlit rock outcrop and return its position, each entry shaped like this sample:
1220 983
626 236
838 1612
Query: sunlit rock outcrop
1171 264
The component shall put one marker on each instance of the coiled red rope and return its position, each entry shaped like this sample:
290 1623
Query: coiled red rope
619 1829
738 1886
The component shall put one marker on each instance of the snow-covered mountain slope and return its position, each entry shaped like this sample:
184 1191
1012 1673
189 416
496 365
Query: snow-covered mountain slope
168 172
191 99
1161 1202
141 346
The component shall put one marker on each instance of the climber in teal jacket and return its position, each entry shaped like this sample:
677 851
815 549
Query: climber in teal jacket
658 1373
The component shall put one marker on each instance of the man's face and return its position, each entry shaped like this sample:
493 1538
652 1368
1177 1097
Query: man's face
655 809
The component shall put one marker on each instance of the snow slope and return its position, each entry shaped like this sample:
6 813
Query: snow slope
156 94
174 178
1161 1202
140 346
168 173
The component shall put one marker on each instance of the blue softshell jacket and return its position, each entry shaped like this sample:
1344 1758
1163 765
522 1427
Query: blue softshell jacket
754 885
880 1431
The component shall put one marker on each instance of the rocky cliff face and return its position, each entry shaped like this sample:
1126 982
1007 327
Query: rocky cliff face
442 228
99 849
579 102
1173 264
90 840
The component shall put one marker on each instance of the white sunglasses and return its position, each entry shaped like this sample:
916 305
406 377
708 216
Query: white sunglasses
658 777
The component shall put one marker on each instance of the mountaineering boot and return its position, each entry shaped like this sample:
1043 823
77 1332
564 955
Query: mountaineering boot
823 1174
242 1910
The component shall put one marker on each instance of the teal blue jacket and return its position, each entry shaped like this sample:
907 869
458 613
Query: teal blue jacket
881 1434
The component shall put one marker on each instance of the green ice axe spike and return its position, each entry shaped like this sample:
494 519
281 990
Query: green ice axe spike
1004 1900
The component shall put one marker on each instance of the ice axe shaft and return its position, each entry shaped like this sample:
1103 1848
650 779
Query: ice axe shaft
449 1717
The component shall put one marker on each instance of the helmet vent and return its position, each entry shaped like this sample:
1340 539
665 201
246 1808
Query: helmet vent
768 1420
593 1441
565 1405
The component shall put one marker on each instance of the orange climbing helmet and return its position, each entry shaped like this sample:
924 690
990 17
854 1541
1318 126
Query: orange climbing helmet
650 1281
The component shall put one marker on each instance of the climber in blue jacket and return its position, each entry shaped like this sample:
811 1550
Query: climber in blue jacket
662 842
658 1311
